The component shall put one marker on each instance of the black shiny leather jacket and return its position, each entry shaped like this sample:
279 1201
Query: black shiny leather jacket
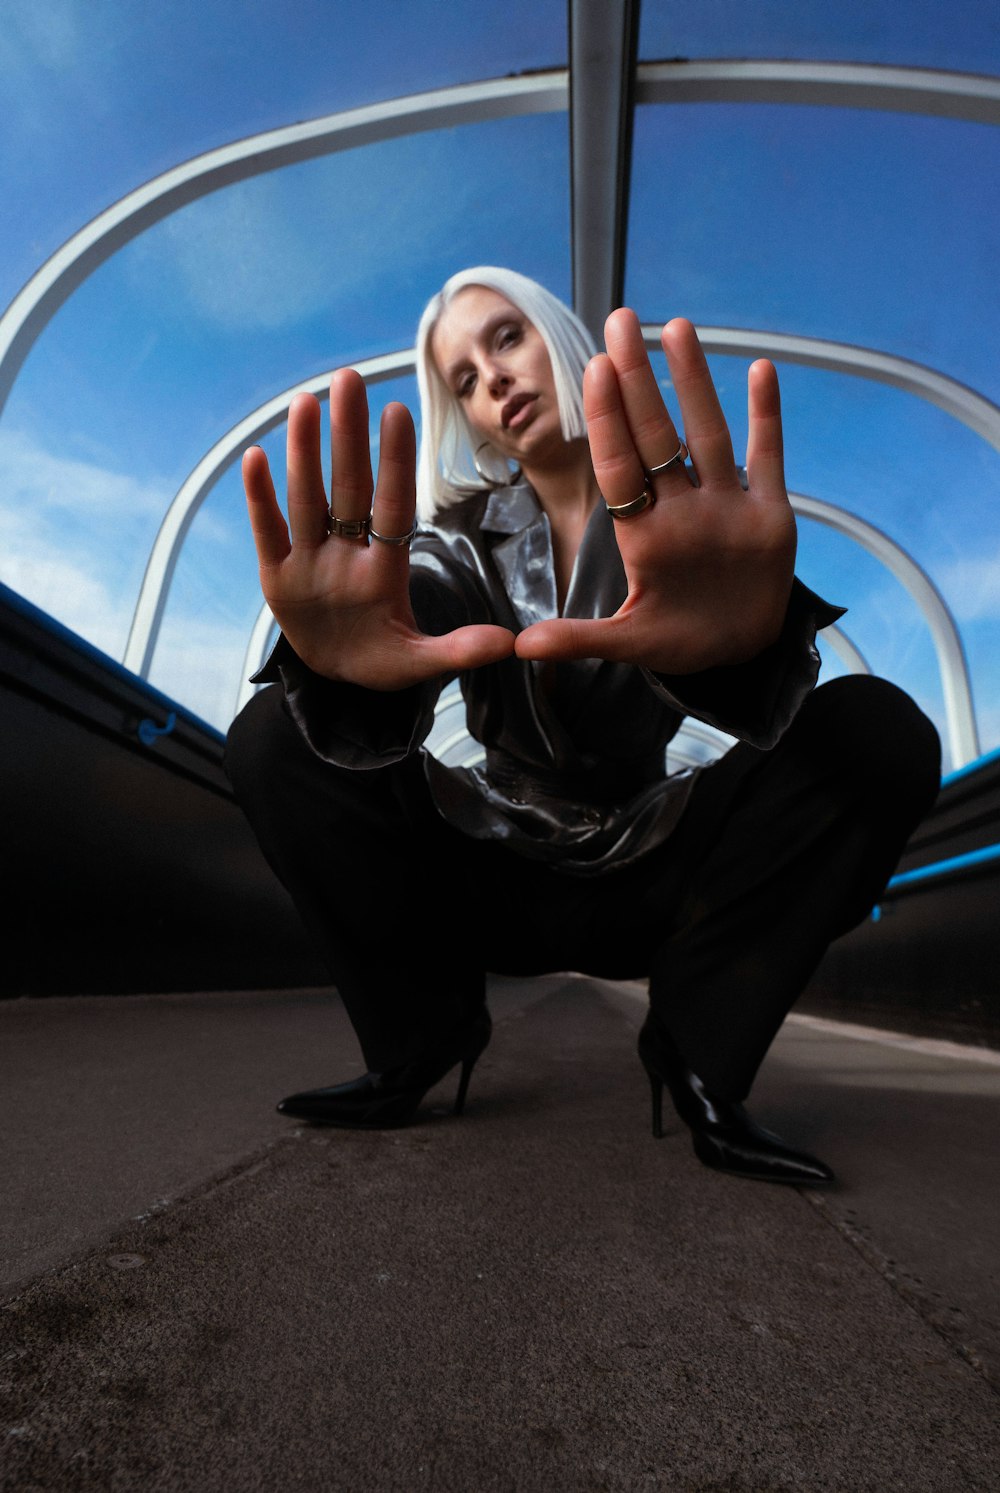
575 768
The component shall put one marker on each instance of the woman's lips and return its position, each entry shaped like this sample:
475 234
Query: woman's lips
517 411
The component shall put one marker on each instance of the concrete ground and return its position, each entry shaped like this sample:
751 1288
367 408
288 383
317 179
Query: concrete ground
199 1294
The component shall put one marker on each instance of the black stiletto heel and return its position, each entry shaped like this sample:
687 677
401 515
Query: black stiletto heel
463 1084
723 1134
656 1086
382 1101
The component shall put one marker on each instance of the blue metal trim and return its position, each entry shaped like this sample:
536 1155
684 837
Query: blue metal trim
25 608
970 767
947 867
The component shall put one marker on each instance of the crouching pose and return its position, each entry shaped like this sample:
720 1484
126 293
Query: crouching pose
592 577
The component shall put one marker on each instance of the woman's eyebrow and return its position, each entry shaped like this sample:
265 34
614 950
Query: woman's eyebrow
483 333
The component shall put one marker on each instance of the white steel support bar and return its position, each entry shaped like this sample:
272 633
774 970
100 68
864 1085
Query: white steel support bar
845 649
848 85
603 36
957 399
192 493
256 651
33 307
919 90
963 737
954 672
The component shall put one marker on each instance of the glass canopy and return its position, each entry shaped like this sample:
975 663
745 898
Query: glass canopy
211 205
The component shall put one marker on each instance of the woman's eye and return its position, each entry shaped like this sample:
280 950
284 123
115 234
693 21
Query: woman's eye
508 336
465 385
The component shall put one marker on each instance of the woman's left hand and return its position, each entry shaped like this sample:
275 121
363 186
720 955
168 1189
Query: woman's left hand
709 568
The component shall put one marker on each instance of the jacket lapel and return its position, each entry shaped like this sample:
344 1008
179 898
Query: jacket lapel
523 555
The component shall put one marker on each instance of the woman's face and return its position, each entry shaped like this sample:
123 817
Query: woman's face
496 364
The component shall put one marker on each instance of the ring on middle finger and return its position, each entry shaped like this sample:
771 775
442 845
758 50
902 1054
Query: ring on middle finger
680 455
397 539
350 528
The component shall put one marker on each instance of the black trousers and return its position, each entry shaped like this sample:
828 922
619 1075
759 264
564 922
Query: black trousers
777 853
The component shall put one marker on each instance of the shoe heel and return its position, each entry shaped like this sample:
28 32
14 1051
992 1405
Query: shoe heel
481 1037
463 1084
656 1090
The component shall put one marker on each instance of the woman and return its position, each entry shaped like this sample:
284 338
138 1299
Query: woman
588 601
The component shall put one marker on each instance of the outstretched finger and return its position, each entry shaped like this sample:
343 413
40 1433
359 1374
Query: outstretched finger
306 493
652 428
706 431
765 444
395 492
350 447
617 466
270 533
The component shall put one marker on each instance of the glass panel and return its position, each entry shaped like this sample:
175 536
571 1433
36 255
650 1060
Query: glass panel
99 98
920 33
228 302
851 225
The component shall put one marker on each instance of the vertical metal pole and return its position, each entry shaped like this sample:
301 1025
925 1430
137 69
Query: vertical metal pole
603 43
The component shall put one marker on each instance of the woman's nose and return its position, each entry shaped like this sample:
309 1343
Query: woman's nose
499 380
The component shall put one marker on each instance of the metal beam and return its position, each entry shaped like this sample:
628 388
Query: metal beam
603 38
963 737
973 409
845 85
963 734
845 649
36 303
917 90
191 494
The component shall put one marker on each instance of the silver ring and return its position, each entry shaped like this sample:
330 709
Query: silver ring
393 538
350 528
681 455
638 505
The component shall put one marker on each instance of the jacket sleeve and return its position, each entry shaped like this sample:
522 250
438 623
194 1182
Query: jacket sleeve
756 701
360 728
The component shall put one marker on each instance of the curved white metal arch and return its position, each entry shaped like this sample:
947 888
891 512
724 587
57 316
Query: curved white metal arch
265 629
974 410
845 649
191 494
962 731
258 645
963 736
79 256
963 739
846 85
923 90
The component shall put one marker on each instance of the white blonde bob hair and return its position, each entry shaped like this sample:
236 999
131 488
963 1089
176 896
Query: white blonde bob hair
446 472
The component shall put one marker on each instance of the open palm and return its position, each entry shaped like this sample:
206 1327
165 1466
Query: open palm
342 604
709 568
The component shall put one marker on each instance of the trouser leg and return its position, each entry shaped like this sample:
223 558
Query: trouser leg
375 874
783 852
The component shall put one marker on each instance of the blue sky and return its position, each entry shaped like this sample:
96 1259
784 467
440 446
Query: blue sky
855 225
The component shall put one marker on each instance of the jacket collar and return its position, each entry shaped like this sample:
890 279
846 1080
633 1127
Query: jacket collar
523 556
511 509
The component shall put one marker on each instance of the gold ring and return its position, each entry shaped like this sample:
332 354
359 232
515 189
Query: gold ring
638 505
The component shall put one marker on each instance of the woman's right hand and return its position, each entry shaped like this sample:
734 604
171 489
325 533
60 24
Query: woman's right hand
344 605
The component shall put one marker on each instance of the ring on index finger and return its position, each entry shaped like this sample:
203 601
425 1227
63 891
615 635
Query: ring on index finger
632 509
680 455
350 528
